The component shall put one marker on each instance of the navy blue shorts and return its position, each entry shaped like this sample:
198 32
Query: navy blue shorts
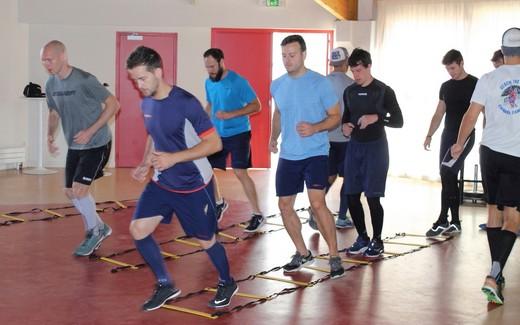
337 158
500 178
240 149
195 210
366 167
291 174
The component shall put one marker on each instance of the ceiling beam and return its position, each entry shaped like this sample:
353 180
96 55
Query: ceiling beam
341 9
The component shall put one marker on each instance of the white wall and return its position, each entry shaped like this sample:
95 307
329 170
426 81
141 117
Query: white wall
13 37
88 28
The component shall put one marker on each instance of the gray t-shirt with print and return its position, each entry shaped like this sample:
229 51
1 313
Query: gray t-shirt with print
78 100
340 81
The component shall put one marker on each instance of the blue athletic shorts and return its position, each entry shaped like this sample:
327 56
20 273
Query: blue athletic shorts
291 174
195 210
366 167
240 149
337 158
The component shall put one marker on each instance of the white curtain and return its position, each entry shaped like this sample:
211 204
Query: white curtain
411 39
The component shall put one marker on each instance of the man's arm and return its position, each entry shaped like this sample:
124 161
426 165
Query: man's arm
207 108
111 108
210 143
275 131
332 120
54 122
435 123
466 127
251 108
140 172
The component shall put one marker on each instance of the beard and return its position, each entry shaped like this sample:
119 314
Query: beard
219 74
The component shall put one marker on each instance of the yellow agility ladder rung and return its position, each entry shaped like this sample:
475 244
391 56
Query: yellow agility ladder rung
220 233
424 236
112 261
240 294
392 253
121 205
298 283
406 244
170 255
53 213
189 311
346 260
12 218
275 224
186 242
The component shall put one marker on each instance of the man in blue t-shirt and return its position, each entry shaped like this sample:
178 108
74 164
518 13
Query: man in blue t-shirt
230 102
306 108
180 137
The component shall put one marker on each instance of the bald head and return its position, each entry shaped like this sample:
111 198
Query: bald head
53 56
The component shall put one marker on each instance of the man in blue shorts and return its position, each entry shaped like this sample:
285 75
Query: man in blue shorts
497 95
84 107
306 108
180 137
370 105
230 102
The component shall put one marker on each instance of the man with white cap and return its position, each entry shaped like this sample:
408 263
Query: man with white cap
497 94
338 142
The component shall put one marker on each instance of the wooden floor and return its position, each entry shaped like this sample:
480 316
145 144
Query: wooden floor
41 283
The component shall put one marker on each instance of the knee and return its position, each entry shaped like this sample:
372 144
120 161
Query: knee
240 173
317 204
79 191
206 244
285 208
138 230
69 193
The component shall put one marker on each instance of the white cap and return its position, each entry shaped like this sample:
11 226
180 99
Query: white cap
338 56
511 42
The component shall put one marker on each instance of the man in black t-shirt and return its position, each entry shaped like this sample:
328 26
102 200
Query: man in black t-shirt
454 98
370 105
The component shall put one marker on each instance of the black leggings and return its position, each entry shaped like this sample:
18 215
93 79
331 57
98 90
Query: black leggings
358 215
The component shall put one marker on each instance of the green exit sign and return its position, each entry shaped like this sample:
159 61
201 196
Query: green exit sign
272 3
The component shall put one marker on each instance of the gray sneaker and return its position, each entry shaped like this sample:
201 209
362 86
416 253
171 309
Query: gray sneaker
93 240
342 223
336 269
312 222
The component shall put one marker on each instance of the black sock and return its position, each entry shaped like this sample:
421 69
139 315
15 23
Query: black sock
358 215
507 241
493 236
377 215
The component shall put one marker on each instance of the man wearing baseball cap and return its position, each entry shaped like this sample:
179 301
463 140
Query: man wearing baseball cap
338 60
497 94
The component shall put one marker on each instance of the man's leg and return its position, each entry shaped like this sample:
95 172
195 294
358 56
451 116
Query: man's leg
324 219
257 219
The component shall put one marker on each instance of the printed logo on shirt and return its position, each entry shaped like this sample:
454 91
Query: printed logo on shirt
87 179
510 97
362 94
147 115
64 93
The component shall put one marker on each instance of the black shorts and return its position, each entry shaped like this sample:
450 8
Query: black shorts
84 166
500 178
337 158
240 149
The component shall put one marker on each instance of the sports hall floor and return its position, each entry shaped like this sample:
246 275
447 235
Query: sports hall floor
42 283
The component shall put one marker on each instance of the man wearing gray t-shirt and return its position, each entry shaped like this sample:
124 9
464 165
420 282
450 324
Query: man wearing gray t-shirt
84 107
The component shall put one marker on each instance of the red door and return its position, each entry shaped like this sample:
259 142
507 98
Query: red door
248 52
130 131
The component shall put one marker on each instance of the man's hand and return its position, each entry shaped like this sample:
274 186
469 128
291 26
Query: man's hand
347 128
427 143
456 150
273 146
366 120
53 149
83 136
140 172
305 129
163 160
222 115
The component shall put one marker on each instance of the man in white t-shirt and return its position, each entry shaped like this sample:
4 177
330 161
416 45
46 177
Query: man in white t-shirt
497 94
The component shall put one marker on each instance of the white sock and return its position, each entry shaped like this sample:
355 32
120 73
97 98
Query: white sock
88 210
78 207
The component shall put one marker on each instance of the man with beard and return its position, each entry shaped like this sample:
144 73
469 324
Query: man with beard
180 137
230 101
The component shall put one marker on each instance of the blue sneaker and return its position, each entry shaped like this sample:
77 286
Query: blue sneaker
342 223
483 226
93 240
375 248
359 247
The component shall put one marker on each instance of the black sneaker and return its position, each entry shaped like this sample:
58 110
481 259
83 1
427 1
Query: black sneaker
437 229
161 294
220 209
255 223
336 269
297 262
224 294
312 221
453 229
375 248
